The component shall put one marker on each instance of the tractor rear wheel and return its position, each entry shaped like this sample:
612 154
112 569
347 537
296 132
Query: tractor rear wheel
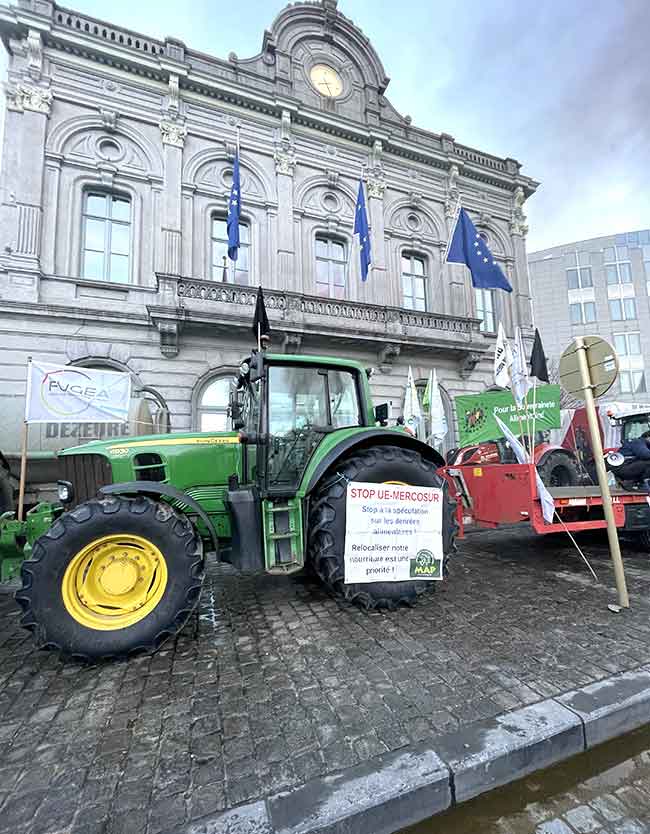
377 464
559 469
113 577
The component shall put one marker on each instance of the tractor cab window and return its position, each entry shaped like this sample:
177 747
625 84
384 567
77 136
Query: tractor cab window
304 405
250 406
636 426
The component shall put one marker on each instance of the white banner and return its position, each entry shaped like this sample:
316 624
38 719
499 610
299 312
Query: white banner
58 394
393 533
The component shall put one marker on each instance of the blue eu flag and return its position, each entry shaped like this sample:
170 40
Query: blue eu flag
234 208
361 229
468 247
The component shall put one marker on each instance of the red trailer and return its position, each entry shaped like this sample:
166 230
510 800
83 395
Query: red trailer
496 494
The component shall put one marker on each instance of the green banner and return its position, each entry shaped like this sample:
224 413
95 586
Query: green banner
475 413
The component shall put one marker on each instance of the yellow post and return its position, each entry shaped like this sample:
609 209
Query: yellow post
597 446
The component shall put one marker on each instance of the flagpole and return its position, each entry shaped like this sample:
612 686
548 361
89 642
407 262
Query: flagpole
23 450
237 129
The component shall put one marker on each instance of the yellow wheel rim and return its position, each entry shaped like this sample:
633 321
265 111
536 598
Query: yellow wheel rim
114 582
397 483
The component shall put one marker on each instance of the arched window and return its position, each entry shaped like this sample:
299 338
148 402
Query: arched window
212 411
222 266
106 237
331 263
414 277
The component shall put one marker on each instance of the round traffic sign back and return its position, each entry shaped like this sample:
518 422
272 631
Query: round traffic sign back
602 362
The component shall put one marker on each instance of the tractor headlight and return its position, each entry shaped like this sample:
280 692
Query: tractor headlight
65 491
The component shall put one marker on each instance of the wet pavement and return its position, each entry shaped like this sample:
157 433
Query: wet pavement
603 791
274 683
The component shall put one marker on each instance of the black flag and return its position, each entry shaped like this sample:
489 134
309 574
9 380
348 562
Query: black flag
538 360
261 324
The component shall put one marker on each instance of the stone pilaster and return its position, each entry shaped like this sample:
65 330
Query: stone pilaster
173 138
285 163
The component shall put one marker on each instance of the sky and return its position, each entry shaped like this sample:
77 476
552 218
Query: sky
561 85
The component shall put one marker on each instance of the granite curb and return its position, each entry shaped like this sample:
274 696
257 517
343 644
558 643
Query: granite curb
398 789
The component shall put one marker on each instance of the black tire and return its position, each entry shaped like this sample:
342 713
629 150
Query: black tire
41 599
559 469
376 464
6 492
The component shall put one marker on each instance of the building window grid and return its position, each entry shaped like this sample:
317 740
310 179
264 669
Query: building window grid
622 309
628 348
219 251
582 312
414 278
618 269
485 308
106 237
331 266
578 274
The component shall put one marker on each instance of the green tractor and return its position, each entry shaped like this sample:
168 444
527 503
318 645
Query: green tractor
118 566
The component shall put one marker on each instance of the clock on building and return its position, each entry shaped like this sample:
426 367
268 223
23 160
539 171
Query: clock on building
326 80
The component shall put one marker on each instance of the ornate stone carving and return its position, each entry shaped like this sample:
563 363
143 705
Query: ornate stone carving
452 197
415 199
518 224
173 101
376 187
109 119
332 178
387 356
26 97
291 342
169 332
34 54
468 362
173 133
285 161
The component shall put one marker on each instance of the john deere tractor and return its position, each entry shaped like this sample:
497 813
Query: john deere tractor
117 566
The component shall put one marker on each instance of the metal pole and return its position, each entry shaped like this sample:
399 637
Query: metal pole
23 472
597 446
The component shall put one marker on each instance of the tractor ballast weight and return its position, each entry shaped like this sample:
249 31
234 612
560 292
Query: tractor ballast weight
120 566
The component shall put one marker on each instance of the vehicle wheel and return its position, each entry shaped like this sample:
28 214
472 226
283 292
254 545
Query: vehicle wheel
113 577
6 492
559 470
378 464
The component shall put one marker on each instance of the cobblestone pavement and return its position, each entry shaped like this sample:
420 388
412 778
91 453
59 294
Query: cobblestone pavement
274 683
604 791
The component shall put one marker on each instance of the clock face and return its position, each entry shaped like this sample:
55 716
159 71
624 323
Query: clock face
326 80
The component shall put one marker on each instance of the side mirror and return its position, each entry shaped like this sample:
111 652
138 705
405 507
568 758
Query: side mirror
381 414
235 411
257 366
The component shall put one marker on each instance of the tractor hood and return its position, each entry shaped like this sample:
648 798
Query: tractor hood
124 447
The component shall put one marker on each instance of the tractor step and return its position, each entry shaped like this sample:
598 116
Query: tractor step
283 539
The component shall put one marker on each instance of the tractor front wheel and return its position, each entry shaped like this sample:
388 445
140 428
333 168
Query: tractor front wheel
113 577
377 464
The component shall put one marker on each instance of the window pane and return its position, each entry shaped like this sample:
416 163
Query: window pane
93 265
418 286
242 258
612 274
615 309
640 383
241 277
338 292
626 273
119 269
488 298
634 342
321 247
338 251
570 259
96 204
338 275
219 252
622 253
322 272
609 255
244 233
213 421
620 345
625 382
633 238
575 313
630 308
420 304
323 290
418 266
219 229
644 237
585 277
584 258
590 311
572 278
120 209
120 239
217 393
406 264
95 235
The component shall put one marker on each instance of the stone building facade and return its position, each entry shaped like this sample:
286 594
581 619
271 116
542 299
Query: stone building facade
116 171
598 286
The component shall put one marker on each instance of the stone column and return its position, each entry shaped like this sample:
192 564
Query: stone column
173 138
377 285
28 110
285 162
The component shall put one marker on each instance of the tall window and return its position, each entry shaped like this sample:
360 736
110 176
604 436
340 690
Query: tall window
578 274
106 237
582 312
213 405
219 238
331 263
628 348
485 310
622 309
414 276
618 269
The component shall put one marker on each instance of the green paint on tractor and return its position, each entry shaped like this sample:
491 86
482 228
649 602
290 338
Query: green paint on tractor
267 496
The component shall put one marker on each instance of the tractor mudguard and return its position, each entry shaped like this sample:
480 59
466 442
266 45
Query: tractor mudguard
151 488
246 519
372 437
